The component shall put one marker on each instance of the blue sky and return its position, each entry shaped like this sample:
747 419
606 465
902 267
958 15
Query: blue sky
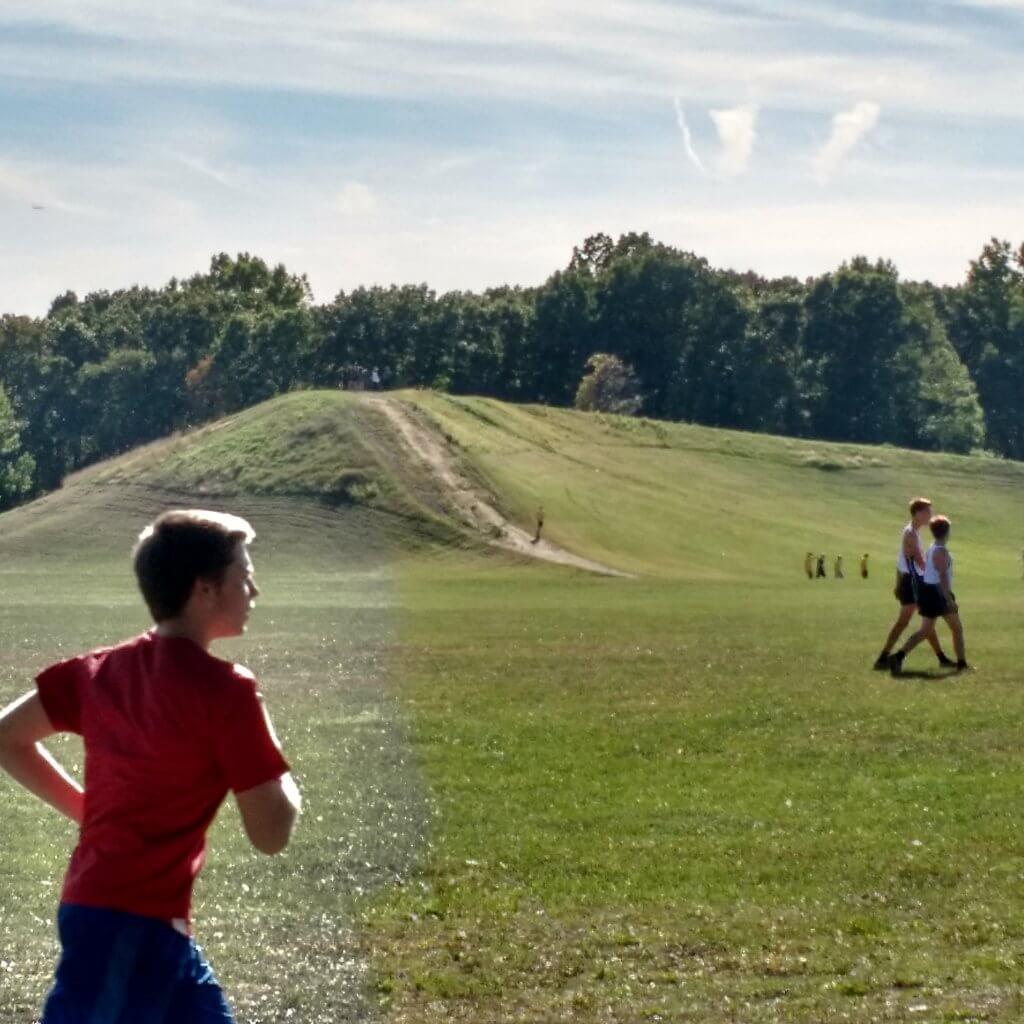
469 144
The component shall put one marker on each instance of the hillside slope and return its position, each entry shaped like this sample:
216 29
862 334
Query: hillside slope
673 499
331 469
313 470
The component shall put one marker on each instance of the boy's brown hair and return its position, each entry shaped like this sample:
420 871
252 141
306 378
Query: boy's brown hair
939 525
917 504
180 547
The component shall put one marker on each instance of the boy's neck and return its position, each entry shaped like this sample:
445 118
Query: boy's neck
184 629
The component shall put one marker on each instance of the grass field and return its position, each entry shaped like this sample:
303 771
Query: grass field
535 794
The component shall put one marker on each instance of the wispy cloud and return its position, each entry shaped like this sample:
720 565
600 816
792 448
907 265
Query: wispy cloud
691 153
736 134
355 200
201 167
559 51
848 128
403 121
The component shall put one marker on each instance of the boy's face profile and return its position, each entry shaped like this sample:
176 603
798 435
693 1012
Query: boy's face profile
227 604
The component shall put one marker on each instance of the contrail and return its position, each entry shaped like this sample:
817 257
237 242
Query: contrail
687 137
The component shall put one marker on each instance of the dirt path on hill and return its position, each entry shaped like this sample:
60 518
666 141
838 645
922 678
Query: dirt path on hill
473 507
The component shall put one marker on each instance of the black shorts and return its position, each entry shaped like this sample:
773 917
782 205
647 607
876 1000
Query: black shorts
906 589
932 603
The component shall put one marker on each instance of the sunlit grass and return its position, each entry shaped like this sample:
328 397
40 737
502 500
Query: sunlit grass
671 801
538 795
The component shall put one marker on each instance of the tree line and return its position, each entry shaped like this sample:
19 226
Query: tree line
853 355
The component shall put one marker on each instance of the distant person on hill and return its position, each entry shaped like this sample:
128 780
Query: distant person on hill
375 379
819 571
540 524
838 567
169 730
864 567
910 564
809 565
936 598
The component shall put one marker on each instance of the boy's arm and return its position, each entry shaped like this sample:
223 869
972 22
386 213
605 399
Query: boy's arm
942 568
268 798
912 550
269 813
22 725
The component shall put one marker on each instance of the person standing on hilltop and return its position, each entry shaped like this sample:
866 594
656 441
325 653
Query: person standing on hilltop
819 571
838 568
910 563
809 565
864 567
169 730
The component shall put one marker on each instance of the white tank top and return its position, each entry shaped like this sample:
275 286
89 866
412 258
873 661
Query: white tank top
902 565
931 574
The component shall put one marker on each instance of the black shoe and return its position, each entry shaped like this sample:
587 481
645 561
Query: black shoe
896 663
962 666
881 662
945 662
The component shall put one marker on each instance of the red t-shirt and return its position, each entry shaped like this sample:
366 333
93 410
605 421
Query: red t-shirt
168 731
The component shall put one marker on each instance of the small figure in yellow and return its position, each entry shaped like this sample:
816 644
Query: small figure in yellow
838 568
809 565
540 524
864 567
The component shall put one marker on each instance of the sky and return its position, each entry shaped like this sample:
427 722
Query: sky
470 144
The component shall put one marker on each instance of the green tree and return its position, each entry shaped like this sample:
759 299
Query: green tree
609 385
115 401
940 410
855 328
986 325
561 338
667 315
472 325
771 364
16 465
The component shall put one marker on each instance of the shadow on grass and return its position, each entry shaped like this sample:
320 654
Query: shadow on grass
934 674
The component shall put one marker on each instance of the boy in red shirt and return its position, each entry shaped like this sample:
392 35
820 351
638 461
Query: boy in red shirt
168 731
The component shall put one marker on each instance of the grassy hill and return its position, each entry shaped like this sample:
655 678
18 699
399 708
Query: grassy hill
538 794
312 469
661 499
679 500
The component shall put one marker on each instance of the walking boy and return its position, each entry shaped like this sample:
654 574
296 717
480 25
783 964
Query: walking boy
168 731
936 598
909 565
809 565
864 566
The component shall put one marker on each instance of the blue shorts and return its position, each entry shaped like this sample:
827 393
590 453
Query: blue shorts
119 968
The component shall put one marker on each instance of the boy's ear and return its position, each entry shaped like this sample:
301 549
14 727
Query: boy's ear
202 588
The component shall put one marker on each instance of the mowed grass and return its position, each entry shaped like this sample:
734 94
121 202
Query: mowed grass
539 795
280 932
684 502
687 796
697 802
